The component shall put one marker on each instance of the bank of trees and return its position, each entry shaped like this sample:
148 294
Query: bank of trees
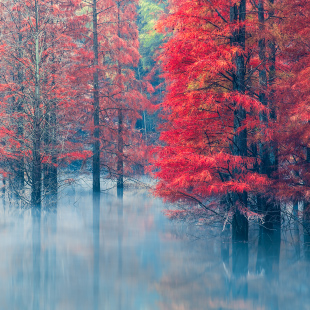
236 108
75 85
67 82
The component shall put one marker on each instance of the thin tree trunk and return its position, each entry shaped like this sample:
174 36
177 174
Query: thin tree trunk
47 147
20 109
240 222
51 183
120 144
265 166
96 144
274 208
54 167
36 164
120 133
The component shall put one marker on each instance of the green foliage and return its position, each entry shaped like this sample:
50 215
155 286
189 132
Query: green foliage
150 40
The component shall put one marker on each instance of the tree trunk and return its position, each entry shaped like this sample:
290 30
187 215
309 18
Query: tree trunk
120 149
36 164
120 132
47 147
274 207
20 109
240 222
264 152
54 167
96 144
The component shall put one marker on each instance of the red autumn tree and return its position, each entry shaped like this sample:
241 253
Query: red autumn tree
116 97
213 107
38 102
293 101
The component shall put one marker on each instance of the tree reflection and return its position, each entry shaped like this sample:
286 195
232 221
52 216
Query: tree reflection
240 268
36 257
120 207
268 258
50 266
96 248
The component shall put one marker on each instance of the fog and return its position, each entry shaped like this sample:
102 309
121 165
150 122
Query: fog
106 252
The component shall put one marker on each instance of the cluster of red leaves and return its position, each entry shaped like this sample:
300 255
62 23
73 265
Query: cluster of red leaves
198 59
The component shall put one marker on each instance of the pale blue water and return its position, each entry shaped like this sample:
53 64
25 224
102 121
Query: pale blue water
109 254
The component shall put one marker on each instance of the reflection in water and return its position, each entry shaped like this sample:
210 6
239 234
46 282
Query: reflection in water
49 229
96 246
306 231
36 257
268 259
268 252
120 205
307 240
240 268
109 252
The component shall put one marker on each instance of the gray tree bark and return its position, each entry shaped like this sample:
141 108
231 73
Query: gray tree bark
238 13
36 162
96 144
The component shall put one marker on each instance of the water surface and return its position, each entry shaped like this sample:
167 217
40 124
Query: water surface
106 253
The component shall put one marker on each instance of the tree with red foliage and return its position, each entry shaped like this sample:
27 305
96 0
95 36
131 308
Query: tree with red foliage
117 98
38 99
213 107
292 92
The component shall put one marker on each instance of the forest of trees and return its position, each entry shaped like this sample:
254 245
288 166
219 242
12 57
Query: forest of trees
70 93
210 97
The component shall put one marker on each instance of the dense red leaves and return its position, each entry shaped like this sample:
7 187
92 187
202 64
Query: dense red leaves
197 157
293 92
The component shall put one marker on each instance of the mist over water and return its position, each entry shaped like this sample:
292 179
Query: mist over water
108 252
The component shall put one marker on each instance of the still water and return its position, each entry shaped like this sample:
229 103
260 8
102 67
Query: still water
92 253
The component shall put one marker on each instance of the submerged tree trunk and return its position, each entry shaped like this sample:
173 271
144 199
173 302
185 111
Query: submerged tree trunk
240 222
96 143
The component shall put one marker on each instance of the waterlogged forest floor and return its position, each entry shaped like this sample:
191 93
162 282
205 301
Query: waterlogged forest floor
113 253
